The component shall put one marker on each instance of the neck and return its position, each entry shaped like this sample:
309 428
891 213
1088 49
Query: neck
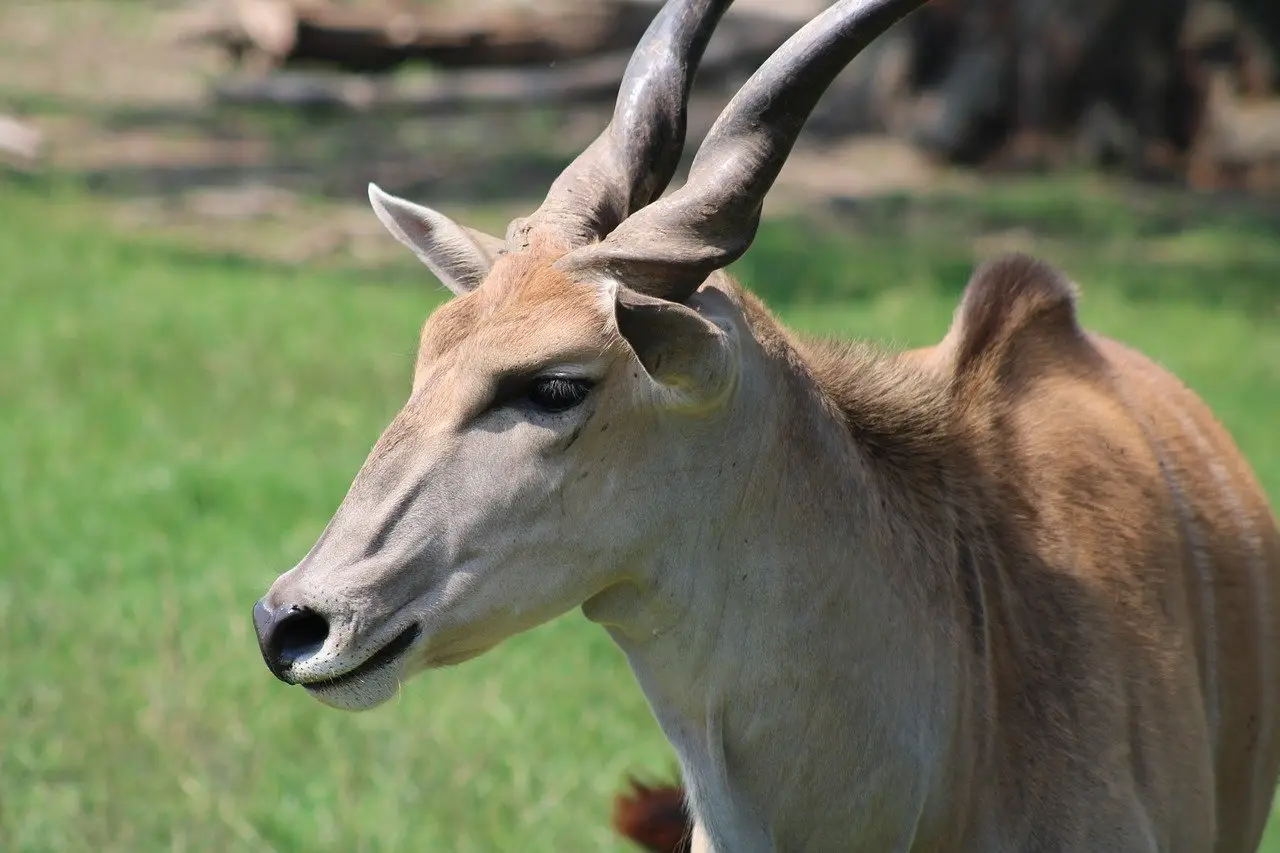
790 656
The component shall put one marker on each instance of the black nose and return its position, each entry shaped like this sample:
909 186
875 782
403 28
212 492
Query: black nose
287 635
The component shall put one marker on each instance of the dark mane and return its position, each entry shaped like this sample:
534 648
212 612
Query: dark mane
1010 296
895 410
1016 321
928 425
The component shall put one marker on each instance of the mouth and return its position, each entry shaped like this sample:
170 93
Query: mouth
380 660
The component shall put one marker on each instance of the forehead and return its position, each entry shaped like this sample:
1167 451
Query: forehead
524 313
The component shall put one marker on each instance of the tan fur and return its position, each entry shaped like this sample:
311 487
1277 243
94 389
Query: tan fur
1014 593
1046 561
1039 449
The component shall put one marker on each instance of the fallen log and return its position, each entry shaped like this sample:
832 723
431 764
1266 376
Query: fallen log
738 49
585 81
380 37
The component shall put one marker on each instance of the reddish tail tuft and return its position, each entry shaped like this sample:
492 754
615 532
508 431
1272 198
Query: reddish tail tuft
655 818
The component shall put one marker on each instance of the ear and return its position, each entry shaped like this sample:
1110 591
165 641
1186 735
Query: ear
459 256
679 347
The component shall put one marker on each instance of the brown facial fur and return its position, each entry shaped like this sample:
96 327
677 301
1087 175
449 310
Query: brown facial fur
527 303
528 314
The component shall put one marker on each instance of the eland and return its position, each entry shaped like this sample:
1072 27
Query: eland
1014 592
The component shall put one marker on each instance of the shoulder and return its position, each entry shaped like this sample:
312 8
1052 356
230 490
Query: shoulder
1017 314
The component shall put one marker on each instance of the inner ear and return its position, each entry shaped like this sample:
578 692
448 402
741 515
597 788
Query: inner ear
460 257
677 346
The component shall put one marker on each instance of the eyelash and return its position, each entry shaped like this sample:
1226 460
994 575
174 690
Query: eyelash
556 394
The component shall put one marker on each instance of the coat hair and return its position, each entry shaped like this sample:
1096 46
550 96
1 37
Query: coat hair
1014 592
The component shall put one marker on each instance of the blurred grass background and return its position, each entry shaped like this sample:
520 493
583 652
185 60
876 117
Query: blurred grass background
189 380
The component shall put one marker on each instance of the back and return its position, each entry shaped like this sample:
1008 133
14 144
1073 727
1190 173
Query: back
1229 550
1132 600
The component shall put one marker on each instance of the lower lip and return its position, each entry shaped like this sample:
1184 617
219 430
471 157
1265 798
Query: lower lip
383 657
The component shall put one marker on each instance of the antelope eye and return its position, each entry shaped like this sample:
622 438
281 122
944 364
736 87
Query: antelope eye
557 393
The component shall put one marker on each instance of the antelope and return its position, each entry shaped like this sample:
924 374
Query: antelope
1013 592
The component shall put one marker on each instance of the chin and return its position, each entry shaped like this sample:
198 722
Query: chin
363 693
364 690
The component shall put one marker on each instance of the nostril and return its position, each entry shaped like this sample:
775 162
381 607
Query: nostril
300 633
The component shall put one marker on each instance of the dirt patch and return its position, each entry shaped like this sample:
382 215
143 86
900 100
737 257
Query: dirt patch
101 54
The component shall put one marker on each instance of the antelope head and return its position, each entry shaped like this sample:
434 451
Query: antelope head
575 404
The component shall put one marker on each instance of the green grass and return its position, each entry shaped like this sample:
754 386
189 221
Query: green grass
178 426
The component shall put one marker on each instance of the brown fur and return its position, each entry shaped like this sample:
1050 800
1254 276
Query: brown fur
1061 500
1035 464
654 817
1015 592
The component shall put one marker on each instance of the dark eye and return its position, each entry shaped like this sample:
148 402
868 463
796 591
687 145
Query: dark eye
557 393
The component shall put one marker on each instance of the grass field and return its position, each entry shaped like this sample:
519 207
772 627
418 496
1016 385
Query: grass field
178 426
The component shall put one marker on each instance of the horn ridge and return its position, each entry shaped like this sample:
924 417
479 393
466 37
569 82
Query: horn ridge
634 158
668 248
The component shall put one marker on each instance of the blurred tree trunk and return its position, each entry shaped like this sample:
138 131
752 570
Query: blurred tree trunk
1036 83
1032 82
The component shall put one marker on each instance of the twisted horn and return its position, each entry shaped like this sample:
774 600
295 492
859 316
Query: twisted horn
632 161
668 248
